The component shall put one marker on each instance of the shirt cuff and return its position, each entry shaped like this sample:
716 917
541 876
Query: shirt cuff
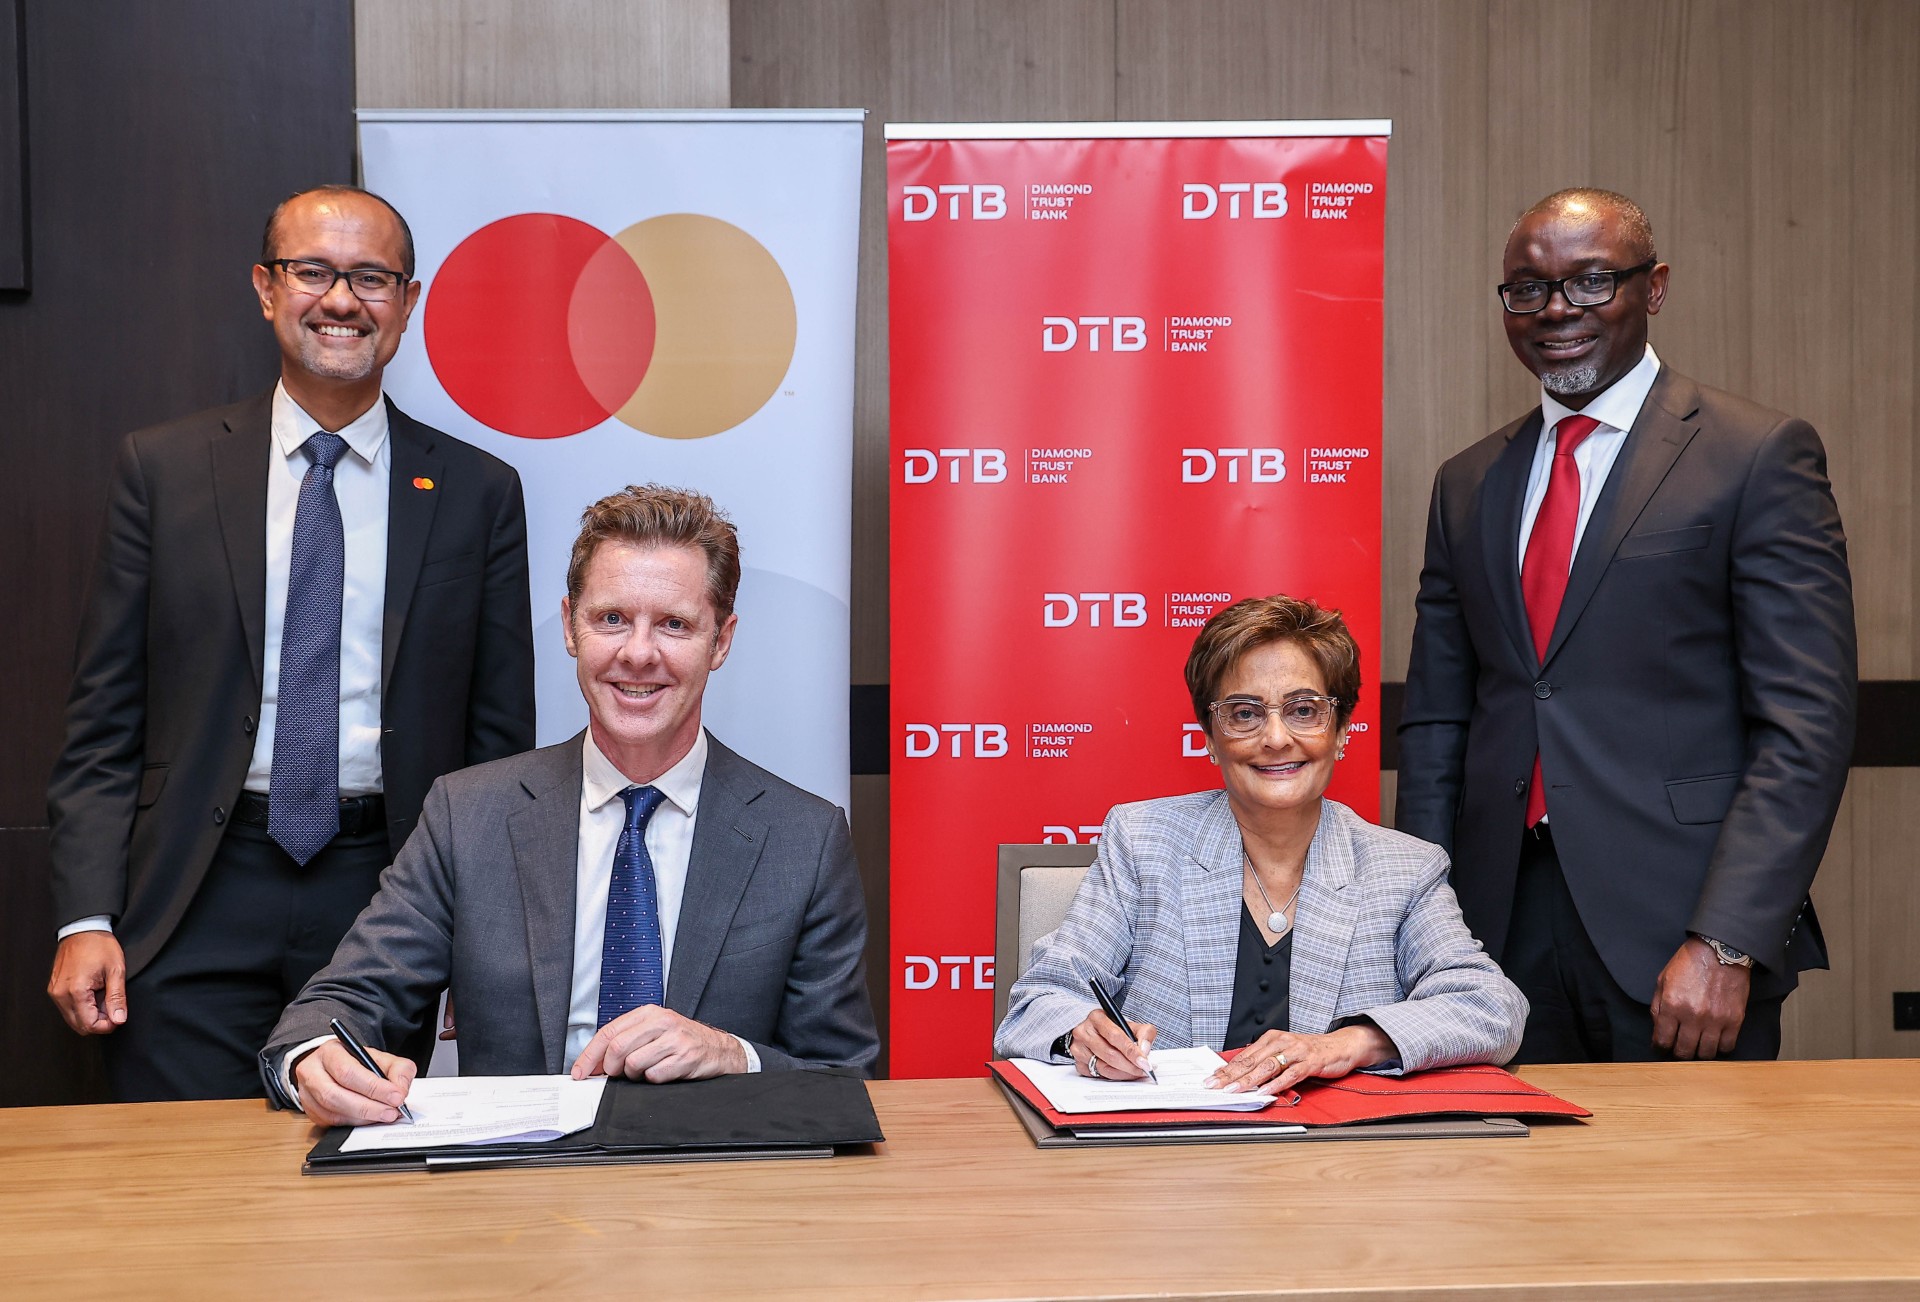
98 922
753 1058
291 1060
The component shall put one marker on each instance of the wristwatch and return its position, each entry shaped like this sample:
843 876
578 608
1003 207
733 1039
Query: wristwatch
1727 954
1063 1045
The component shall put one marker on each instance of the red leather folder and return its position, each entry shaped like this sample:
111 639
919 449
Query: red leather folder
1481 1091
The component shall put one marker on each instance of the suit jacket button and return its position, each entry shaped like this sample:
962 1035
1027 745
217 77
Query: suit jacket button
219 816
1543 689
1520 787
246 725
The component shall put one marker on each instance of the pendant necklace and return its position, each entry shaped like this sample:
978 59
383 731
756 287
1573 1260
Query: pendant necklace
1277 921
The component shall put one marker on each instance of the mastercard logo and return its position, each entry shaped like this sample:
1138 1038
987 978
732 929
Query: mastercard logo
541 326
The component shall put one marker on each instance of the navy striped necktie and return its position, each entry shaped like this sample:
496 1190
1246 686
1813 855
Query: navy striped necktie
303 787
632 971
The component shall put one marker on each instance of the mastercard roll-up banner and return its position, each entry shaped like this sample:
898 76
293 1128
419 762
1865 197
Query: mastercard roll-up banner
622 298
1136 376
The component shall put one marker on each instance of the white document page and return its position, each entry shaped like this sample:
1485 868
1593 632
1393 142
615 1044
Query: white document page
1178 1090
486 1110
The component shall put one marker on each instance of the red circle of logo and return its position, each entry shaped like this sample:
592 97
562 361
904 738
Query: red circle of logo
540 325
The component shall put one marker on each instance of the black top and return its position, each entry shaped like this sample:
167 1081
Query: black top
1261 984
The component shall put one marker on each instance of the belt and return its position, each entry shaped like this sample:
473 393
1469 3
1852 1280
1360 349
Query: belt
359 815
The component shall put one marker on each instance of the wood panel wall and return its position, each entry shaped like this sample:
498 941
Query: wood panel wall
1775 144
13 147
580 54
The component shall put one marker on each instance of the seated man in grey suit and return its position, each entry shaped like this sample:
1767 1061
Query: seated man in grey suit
637 901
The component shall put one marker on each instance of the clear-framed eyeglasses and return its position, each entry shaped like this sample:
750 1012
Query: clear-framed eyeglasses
1588 289
1245 716
368 284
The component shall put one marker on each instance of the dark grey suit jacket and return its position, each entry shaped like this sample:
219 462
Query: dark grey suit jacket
770 944
167 679
1694 712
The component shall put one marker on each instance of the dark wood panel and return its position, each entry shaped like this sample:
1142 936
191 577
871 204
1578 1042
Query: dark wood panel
158 138
15 265
46 1063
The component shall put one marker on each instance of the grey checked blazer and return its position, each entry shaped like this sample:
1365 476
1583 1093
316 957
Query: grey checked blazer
1377 936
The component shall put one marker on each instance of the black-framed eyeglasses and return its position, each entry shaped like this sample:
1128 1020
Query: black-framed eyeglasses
1586 289
368 284
1304 715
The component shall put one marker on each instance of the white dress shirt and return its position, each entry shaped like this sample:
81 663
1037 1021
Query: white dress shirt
603 817
669 838
1616 408
360 485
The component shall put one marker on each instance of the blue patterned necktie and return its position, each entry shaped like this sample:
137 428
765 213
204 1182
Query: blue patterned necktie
632 972
303 788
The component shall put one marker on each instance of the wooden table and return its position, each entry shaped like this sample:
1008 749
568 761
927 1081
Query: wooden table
1693 1181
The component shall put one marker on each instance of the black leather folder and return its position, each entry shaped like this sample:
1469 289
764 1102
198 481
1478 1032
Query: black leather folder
775 1114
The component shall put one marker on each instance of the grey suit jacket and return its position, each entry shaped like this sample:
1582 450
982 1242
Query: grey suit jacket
769 947
1377 936
1694 712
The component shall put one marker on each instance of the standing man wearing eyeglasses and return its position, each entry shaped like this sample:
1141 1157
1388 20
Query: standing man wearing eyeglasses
1630 705
307 607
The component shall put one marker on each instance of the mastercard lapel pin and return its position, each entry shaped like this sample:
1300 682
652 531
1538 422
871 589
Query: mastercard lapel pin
423 484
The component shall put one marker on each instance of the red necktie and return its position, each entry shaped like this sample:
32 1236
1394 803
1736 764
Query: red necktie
1543 574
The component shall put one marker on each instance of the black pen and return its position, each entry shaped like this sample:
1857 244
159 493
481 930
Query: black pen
365 1059
1112 1010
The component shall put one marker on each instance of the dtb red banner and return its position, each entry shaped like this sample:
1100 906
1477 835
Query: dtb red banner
1134 379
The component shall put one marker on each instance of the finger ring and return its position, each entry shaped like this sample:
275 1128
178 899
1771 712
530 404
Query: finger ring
1280 1062
1093 1067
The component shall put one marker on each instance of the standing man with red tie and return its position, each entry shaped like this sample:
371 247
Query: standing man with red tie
1630 704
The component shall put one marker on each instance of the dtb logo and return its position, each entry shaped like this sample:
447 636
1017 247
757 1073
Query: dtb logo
1065 609
920 203
981 465
1193 741
1125 334
923 971
1199 202
1204 465
1061 834
978 740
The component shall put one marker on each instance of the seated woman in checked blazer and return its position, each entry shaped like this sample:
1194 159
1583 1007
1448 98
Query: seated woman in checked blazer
1263 915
